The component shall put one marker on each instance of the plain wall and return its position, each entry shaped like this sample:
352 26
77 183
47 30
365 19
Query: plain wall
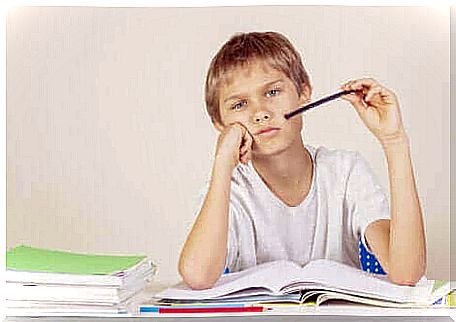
109 144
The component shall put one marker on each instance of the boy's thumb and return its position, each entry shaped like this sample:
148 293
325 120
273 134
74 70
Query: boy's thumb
359 106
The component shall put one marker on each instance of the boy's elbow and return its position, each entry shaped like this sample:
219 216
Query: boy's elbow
407 278
198 283
403 281
195 277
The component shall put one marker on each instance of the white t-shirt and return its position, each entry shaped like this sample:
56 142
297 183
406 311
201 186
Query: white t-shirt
343 200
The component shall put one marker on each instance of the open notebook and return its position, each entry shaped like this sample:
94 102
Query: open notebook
320 280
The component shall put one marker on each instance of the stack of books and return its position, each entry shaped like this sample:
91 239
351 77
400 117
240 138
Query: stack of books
285 283
42 282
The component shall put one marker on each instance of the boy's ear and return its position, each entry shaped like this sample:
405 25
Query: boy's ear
306 93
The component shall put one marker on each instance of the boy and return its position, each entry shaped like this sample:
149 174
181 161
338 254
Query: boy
271 197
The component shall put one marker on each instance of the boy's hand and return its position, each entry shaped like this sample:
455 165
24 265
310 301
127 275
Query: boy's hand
378 107
234 145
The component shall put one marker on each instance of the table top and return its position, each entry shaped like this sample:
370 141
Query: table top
251 318
332 312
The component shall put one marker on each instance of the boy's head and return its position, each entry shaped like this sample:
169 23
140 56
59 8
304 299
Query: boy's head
242 51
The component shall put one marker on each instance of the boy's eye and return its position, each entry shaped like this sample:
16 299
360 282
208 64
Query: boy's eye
273 92
238 105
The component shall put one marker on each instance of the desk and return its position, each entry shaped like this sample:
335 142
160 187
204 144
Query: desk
323 313
252 318
326 313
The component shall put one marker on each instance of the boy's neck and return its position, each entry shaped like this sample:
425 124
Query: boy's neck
292 166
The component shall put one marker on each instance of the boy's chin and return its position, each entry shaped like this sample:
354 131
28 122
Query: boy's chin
268 151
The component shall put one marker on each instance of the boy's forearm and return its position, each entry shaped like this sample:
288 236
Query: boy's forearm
407 245
203 257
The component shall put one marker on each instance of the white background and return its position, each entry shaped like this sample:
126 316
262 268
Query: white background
109 144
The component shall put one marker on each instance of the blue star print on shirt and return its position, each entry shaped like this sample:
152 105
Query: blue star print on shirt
368 261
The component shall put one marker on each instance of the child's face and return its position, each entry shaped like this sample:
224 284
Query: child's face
258 97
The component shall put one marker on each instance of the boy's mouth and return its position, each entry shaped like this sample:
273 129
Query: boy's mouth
268 131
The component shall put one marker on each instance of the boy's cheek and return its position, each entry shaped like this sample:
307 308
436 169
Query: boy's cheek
296 123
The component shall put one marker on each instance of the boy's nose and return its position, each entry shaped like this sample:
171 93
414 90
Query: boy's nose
261 116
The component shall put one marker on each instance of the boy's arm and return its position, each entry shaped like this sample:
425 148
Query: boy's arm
399 244
203 256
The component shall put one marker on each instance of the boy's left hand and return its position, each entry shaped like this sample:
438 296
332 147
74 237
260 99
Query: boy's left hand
378 107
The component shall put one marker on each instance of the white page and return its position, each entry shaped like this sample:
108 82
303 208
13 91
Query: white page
145 269
327 296
266 278
15 291
335 276
39 304
61 278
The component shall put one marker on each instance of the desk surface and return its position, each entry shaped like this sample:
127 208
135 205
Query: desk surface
256 318
328 313
324 313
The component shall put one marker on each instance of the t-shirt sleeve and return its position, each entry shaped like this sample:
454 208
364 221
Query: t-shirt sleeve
232 253
366 199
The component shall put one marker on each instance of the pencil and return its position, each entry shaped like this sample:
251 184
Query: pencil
155 309
246 309
316 103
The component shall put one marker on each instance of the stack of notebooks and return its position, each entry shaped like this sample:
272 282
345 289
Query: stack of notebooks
43 282
286 283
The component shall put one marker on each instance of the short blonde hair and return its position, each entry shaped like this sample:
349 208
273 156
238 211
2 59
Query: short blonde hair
244 48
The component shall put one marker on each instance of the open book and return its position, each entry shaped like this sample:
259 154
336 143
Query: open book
320 280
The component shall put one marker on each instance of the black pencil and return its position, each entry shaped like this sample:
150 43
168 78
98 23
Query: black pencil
316 103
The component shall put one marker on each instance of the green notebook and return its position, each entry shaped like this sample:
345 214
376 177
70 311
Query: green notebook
26 258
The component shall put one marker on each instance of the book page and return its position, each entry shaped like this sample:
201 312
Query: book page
330 296
336 276
264 279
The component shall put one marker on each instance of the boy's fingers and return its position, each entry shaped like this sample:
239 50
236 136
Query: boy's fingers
244 132
246 157
351 85
239 128
236 133
243 160
383 95
246 142
355 99
242 157
352 97
359 107
364 82
369 91
372 92
248 139
244 149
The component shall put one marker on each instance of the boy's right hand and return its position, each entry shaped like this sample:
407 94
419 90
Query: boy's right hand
234 145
